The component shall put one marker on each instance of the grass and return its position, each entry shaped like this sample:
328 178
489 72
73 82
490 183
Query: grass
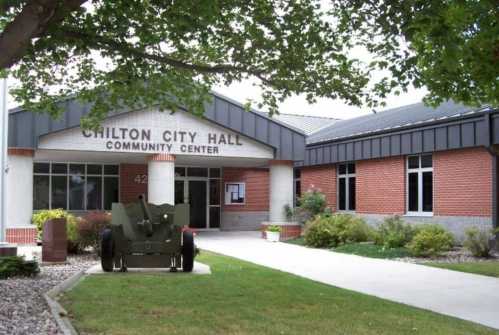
241 298
362 249
486 268
372 250
298 241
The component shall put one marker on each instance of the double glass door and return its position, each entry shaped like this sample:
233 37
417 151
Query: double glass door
203 197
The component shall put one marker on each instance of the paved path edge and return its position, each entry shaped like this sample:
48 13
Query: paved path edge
58 312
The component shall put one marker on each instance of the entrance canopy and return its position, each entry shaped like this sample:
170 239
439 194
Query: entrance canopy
225 130
152 132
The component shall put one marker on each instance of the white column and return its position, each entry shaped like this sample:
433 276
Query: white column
20 188
161 179
281 189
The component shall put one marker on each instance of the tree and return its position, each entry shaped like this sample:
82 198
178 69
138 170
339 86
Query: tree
170 53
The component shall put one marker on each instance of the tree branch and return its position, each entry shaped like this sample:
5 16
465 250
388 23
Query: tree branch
109 44
31 22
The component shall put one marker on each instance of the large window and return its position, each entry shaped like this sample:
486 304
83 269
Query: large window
346 187
297 186
420 184
75 186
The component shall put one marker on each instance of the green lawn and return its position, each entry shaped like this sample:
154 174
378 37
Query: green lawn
372 250
362 249
298 241
486 268
241 298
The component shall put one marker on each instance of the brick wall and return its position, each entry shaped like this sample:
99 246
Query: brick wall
322 178
380 186
21 235
257 188
462 182
132 186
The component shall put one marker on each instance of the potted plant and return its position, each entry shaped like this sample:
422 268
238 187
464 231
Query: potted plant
273 232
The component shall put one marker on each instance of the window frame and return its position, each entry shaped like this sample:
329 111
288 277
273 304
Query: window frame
230 203
68 175
347 177
419 170
296 182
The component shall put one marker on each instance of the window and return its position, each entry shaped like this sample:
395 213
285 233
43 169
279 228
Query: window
420 184
346 187
235 193
297 184
215 197
75 186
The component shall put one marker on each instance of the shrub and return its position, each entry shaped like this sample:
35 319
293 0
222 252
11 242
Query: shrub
312 202
477 241
90 229
329 231
274 229
13 266
430 240
39 218
394 233
71 225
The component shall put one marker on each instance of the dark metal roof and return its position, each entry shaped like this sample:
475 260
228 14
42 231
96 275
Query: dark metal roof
389 120
307 123
26 127
468 129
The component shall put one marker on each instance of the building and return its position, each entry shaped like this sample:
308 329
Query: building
238 170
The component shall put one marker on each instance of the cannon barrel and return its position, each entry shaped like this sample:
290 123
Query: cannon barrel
147 215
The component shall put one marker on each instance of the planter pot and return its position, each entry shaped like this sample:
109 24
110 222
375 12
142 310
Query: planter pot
273 236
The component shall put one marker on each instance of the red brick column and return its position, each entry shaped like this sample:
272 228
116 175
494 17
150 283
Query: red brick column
462 182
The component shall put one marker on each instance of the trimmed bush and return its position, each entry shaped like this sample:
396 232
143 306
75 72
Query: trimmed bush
394 233
14 266
90 228
430 240
329 231
39 219
312 203
477 241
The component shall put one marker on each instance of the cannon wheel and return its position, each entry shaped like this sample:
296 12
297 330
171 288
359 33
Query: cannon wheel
188 251
107 252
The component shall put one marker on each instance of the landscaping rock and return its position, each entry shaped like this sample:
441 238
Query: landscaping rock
456 255
23 309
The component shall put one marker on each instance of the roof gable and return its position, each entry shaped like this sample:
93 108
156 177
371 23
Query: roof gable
25 128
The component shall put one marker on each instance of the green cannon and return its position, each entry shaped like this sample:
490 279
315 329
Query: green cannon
144 235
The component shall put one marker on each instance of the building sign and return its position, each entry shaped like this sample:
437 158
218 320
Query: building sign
134 139
151 131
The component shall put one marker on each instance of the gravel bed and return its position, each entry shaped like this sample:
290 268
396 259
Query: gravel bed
23 309
456 255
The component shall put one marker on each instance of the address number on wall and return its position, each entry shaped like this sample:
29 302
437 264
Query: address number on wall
140 179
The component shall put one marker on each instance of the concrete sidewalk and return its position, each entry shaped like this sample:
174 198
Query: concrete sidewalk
466 296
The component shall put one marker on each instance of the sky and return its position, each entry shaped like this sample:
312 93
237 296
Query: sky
324 107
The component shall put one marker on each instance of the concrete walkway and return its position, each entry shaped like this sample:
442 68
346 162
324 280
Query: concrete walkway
466 296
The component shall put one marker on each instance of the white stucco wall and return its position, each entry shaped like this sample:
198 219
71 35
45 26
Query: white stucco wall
198 134
161 182
281 191
19 191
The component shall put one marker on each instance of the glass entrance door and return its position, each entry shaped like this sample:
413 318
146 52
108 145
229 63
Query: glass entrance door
198 203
